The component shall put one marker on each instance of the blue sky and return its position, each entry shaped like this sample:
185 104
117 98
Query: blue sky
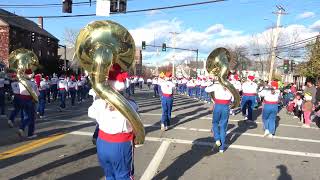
239 17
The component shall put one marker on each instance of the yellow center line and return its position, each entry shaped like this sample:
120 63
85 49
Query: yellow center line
32 145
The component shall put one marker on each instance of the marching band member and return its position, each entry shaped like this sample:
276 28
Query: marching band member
54 86
141 81
132 85
248 101
167 89
155 87
149 82
42 98
48 89
270 110
63 89
184 85
16 101
115 136
203 86
197 87
28 107
190 87
80 88
72 87
222 100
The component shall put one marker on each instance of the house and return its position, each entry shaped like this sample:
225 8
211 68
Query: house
18 32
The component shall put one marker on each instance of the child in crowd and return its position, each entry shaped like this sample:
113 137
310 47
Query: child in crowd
307 109
297 106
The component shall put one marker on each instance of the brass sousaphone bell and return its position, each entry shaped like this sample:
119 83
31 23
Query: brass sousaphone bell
99 45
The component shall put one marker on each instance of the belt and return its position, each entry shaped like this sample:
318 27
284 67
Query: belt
166 95
62 88
249 94
270 102
117 138
220 101
203 86
25 97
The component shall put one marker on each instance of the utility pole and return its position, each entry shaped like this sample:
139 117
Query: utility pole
280 11
174 51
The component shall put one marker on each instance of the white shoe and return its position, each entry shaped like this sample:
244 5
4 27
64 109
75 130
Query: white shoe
270 136
266 133
245 117
11 125
21 133
221 151
33 136
305 126
166 128
41 117
218 143
162 127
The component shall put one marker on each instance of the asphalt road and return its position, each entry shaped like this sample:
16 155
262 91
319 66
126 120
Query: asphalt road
63 149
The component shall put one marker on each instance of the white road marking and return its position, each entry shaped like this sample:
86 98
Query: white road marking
153 166
209 130
230 120
242 147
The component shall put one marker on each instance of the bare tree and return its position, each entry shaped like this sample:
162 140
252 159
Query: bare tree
70 36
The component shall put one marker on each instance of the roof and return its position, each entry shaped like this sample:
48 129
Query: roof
23 23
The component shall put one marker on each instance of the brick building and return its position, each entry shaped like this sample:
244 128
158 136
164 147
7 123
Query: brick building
138 62
18 32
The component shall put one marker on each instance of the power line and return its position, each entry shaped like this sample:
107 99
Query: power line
43 5
132 11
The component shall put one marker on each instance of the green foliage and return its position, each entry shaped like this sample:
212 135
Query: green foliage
311 68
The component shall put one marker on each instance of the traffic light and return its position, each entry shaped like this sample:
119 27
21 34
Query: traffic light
123 6
33 37
113 5
164 47
286 66
293 65
67 6
143 45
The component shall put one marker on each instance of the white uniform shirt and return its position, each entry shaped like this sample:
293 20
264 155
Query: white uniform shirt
184 81
220 92
54 80
249 87
236 84
62 84
167 87
190 83
154 81
43 85
15 87
198 82
110 122
24 91
149 81
271 97
127 83
141 80
72 85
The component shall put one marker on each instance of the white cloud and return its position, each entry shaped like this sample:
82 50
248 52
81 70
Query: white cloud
154 12
212 37
316 25
306 15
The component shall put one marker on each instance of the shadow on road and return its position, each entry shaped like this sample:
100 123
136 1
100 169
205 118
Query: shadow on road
88 173
284 175
186 160
57 163
20 158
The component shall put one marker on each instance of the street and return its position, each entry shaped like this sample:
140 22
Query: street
64 150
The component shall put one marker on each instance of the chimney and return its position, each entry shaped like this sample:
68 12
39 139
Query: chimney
40 22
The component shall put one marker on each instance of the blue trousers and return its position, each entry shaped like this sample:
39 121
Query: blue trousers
28 109
73 96
203 94
42 102
190 91
248 102
269 115
155 90
2 100
159 91
116 159
62 96
17 107
79 93
166 104
197 91
132 88
220 123
54 91
48 95
128 92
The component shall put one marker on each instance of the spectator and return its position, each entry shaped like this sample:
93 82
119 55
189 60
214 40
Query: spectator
310 89
297 106
307 108
318 94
